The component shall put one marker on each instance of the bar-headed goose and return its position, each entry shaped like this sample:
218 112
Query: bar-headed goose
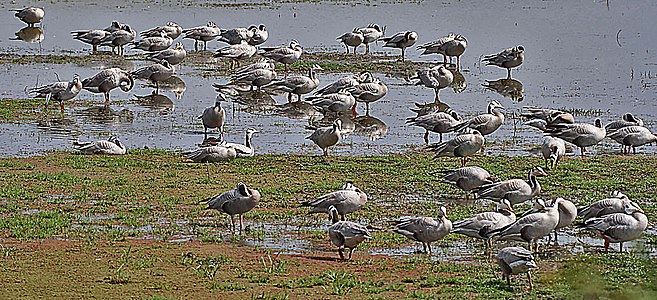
111 146
285 54
214 117
425 230
467 143
346 200
438 122
615 203
515 190
436 78
627 119
481 223
59 91
107 80
202 33
236 53
351 39
298 85
171 29
30 15
325 137
553 148
174 55
485 123
448 46
516 260
508 58
467 178
529 228
371 34
401 40
632 137
580 134
237 201
619 227
345 234
156 73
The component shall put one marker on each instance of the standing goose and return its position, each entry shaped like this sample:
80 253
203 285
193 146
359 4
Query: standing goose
119 38
369 92
154 43
111 146
60 91
236 53
425 230
529 228
30 15
567 214
351 39
345 234
438 122
516 260
107 80
467 178
436 78
254 78
485 123
508 58
260 35
449 46
214 117
463 145
298 85
632 137
553 149
619 227
481 223
286 55
171 29
114 26
615 203
237 201
237 35
401 40
156 72
580 134
173 55
92 37
346 200
325 137
342 101
627 119
371 34
515 190
224 151
202 33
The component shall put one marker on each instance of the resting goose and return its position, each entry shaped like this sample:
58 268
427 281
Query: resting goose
619 227
369 92
286 54
30 15
632 137
467 178
553 149
344 82
345 234
436 78
516 260
92 37
254 78
156 73
174 56
467 143
515 190
325 137
111 146
236 53
260 35
529 228
107 80
627 120
580 134
119 38
615 203
346 200
298 85
425 230
401 40
438 122
171 29
154 43
508 58
481 223
540 118
448 46
339 102
371 33
485 123
202 33
237 201
567 214
237 35
351 39
224 151
60 91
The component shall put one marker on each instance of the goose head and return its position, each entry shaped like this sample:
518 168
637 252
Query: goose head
179 46
172 24
631 208
219 99
454 114
365 77
631 118
460 38
520 49
504 205
537 172
598 123
262 27
211 24
337 125
333 214
540 205
294 44
493 105
250 132
411 35
126 82
244 191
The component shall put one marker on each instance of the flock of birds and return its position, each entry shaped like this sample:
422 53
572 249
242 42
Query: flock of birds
616 219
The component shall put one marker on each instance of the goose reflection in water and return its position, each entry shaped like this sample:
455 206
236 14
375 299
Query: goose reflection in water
254 102
458 83
29 35
422 109
174 84
105 115
507 87
155 101
297 110
370 126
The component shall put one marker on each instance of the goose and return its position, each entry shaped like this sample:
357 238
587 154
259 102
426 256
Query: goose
449 46
619 227
173 55
298 85
107 80
260 35
111 146
425 230
615 203
60 91
325 137
171 29
341 101
515 190
438 122
237 201
286 54
255 78
263 63
485 123
435 78
351 39
529 228
371 33
516 260
119 38
427 108
154 43
553 148
114 26
345 234
202 33
632 137
346 200
30 15
567 214
467 178
369 126
627 120
481 223
463 145
92 37
345 82
236 36
401 40
540 118
369 92
156 72
224 151
508 58
580 134
236 53
214 117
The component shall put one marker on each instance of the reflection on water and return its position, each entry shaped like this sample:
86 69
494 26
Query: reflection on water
174 84
105 115
507 87
422 109
297 110
29 35
458 84
370 126
158 102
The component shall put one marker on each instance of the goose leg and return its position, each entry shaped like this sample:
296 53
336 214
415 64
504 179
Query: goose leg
367 49
426 137
241 224
107 98
351 251
458 62
403 58
606 245
367 108
196 46
531 284
508 280
94 48
61 106
232 224
508 73
430 250
341 254
621 247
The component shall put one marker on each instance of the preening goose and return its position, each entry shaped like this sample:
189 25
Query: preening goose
448 46
619 227
371 33
339 102
567 214
580 134
508 58
286 54
111 146
438 122
615 203
260 35
425 230
481 223
60 91
224 151
325 137
467 178
515 190
174 55
463 145
237 35
153 43
540 118
627 119
119 38
345 234
401 40
369 92
298 85
202 33
351 39
436 78
346 200
632 137
107 80
553 149
237 201
516 260
345 82
529 228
